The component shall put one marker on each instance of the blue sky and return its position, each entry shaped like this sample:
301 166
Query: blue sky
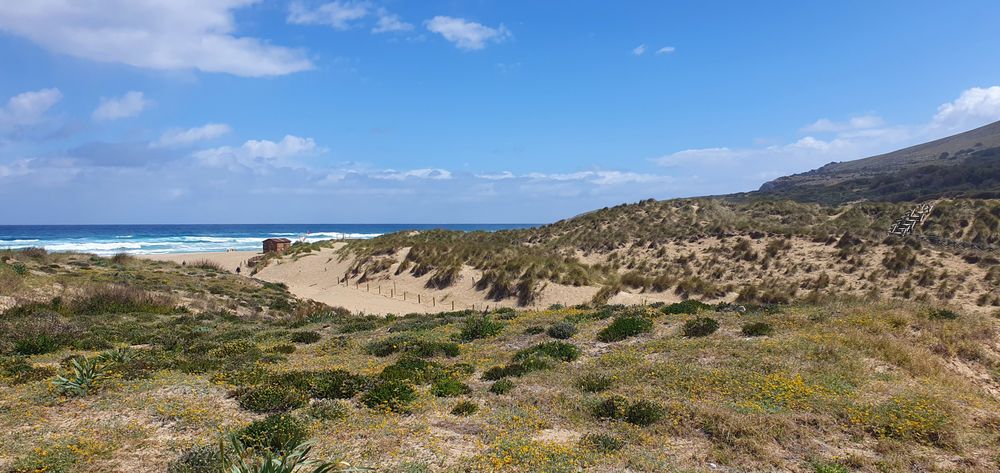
242 111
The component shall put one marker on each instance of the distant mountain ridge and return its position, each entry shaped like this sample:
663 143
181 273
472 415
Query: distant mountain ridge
962 165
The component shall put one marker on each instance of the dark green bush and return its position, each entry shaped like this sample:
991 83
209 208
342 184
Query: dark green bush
700 327
643 413
389 394
757 329
306 337
479 326
271 398
943 314
326 409
594 382
17 370
625 326
277 433
534 330
689 306
283 349
562 330
602 443
449 387
412 369
501 387
465 408
559 350
328 384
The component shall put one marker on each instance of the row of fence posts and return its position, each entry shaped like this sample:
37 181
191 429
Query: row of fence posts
421 299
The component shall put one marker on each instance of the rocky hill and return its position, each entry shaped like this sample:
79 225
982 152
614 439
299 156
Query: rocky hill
963 165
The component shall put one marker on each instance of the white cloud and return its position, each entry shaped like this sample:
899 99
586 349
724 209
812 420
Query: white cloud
256 152
192 135
426 173
639 50
388 23
467 35
863 122
497 176
128 105
154 34
28 108
666 50
974 107
338 14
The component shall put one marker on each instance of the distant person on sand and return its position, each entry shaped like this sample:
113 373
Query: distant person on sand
237 270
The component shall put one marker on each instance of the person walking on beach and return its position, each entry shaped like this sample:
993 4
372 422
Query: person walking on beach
237 270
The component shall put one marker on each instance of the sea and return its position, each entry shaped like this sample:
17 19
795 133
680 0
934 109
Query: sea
163 239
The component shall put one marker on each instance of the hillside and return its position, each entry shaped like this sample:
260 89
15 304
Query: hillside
163 363
963 165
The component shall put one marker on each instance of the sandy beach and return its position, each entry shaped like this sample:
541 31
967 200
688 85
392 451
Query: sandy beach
317 276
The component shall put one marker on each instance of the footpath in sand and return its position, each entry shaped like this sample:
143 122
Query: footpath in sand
315 276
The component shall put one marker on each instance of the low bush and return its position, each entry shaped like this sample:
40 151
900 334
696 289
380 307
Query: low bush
689 306
943 314
306 337
278 433
328 384
282 349
447 386
391 395
602 443
700 327
269 398
561 351
594 382
465 408
625 326
84 379
502 387
562 330
17 370
121 299
534 330
756 329
479 326
412 369
641 412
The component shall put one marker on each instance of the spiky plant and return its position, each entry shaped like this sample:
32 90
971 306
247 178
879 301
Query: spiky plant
116 355
86 375
237 458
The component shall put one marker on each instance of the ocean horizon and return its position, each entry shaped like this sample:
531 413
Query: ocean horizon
151 239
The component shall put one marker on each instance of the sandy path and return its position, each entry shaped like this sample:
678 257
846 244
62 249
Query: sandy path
227 259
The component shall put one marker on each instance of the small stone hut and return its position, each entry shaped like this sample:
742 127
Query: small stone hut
277 245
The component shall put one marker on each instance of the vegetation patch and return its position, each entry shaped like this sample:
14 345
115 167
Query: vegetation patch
625 326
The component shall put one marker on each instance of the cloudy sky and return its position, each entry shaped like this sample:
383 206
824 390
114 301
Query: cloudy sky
244 111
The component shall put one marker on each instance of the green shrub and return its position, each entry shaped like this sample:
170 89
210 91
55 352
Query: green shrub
562 330
594 382
392 395
306 337
276 433
643 413
465 408
479 326
625 326
757 329
558 350
502 387
700 327
449 387
412 369
534 330
689 306
602 443
828 467
328 384
612 408
943 314
197 459
121 299
271 398
17 370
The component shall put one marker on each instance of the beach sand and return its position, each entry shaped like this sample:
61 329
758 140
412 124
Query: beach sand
315 276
